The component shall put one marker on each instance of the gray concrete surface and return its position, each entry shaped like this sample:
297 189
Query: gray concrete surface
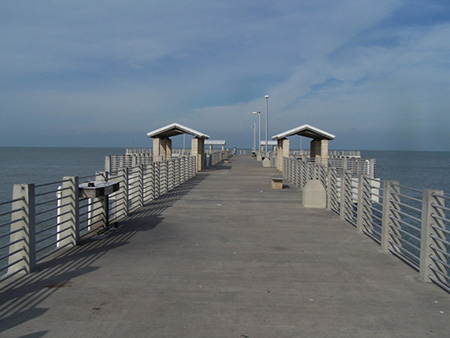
226 256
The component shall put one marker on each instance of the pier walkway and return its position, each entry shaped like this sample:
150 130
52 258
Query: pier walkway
224 255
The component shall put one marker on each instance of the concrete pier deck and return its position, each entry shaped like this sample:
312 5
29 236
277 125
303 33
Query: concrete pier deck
224 255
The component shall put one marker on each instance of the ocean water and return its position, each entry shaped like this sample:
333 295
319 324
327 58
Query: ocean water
420 170
414 169
44 165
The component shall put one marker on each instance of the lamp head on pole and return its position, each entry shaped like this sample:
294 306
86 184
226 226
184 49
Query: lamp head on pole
256 112
266 97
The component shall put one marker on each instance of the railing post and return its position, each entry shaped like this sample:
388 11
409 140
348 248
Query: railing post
428 232
170 175
108 165
140 181
122 194
68 230
362 191
303 173
390 208
342 197
329 187
145 185
23 230
157 179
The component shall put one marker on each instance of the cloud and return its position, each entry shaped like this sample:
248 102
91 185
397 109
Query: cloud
119 67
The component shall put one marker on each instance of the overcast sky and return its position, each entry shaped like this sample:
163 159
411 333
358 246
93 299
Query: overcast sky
104 73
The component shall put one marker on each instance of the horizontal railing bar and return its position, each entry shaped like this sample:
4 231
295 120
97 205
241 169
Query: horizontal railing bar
50 192
9 254
405 214
441 196
52 244
434 247
44 256
408 188
51 183
437 206
406 206
11 243
372 236
12 222
12 201
405 223
440 229
84 213
51 227
439 272
6 234
403 257
49 201
374 216
440 284
51 209
439 239
46 237
7 266
441 218
404 241
392 226
53 217
436 259
406 196
10 212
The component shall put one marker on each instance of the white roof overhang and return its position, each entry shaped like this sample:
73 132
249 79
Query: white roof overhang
307 131
175 129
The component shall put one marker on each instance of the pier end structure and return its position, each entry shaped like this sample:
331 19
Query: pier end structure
318 145
162 144
212 143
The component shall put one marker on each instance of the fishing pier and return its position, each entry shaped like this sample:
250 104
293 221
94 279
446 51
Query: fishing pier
183 249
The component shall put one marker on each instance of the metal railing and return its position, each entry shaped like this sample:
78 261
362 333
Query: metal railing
42 219
412 224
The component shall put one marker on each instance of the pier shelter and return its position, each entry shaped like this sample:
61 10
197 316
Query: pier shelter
212 143
272 144
318 145
162 144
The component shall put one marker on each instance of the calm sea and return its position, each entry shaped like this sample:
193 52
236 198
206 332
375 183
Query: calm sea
414 169
44 165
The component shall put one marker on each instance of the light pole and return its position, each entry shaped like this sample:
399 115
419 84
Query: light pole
267 124
254 137
259 123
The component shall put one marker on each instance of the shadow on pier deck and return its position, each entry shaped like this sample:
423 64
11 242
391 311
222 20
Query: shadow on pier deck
224 255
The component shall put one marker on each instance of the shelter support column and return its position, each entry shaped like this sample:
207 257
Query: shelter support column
197 150
162 149
283 151
168 149
319 148
324 152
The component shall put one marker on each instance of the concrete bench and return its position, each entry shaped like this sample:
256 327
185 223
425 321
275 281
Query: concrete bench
277 182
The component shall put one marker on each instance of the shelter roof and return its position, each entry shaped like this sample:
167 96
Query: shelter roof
307 131
215 142
269 143
175 129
